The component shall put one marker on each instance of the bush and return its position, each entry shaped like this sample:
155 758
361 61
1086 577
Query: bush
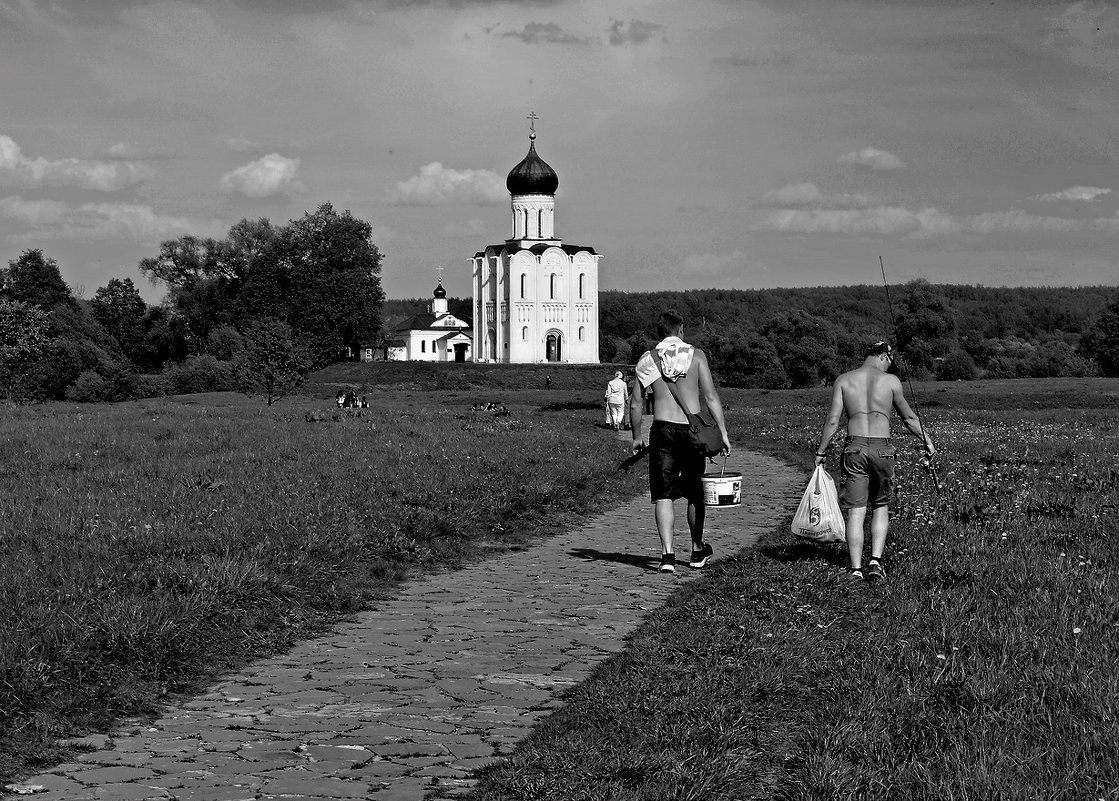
202 373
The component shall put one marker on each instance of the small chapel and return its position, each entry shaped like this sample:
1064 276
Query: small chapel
437 336
535 297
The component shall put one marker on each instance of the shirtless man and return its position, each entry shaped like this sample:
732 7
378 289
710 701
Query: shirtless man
867 395
675 464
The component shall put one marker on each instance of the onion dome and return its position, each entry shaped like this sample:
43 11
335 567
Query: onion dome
532 176
439 292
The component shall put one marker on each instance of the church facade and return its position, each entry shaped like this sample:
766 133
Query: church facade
535 297
435 337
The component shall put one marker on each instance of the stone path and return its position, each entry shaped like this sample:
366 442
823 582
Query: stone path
409 698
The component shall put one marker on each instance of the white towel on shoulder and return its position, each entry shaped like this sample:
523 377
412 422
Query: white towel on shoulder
675 357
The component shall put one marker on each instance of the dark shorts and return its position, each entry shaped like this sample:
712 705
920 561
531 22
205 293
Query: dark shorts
675 464
868 472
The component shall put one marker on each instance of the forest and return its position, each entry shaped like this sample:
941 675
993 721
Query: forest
783 338
259 310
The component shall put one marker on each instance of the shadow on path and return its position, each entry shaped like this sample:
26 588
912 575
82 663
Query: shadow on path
592 554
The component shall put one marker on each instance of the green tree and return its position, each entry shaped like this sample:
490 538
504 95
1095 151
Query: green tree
23 338
1101 341
121 311
743 359
36 280
926 327
273 360
806 346
334 285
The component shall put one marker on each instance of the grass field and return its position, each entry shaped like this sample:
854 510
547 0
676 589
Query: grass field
149 545
984 668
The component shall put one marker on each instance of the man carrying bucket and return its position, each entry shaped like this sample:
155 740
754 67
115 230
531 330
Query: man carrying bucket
868 395
675 463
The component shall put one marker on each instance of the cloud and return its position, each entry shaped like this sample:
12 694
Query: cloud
128 221
473 227
754 60
808 194
437 185
715 265
1087 33
17 169
546 33
926 223
266 177
874 220
240 144
873 158
634 32
1089 194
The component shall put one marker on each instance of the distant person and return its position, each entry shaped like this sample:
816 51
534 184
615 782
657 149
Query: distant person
675 463
340 398
868 395
617 396
547 382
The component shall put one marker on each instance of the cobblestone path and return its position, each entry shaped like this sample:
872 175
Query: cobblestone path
412 696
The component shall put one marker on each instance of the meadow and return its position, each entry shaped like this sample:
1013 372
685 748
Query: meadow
983 668
149 546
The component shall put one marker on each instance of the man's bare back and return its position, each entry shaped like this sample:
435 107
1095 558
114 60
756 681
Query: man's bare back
868 397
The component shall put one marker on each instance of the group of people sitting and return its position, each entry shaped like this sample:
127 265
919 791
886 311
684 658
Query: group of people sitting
348 399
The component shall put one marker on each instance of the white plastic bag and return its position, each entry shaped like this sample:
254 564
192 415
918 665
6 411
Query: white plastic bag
819 518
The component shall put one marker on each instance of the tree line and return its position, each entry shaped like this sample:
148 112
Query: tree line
259 309
255 311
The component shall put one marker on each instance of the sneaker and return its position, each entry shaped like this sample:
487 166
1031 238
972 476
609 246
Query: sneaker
874 571
700 557
855 573
668 563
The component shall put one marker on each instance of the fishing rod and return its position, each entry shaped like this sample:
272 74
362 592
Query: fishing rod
926 462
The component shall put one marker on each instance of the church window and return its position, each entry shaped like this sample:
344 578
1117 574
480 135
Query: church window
524 281
552 286
540 222
582 333
524 332
582 276
423 347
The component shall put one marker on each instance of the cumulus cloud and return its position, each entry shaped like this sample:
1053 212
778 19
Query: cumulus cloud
437 185
16 169
873 158
129 221
546 33
266 177
635 31
1089 194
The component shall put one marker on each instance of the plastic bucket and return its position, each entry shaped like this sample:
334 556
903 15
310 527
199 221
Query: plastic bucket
722 489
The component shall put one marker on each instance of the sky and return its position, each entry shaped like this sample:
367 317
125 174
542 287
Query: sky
703 144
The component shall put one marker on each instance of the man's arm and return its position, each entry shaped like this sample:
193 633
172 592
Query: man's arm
636 408
909 418
711 397
831 422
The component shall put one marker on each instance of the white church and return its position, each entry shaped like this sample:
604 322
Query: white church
535 298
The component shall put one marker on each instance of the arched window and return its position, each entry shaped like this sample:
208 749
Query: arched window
582 276
524 332
552 286
423 346
524 282
582 333
540 223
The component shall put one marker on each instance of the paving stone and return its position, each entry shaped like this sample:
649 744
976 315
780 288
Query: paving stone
442 680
